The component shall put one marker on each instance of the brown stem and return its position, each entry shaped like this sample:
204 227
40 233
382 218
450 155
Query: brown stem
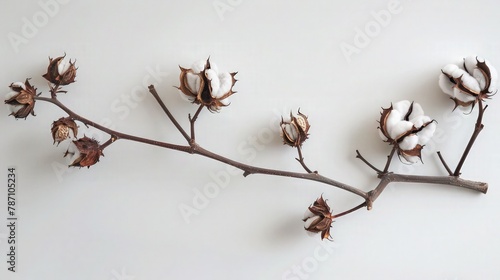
389 159
153 91
358 155
445 164
479 126
350 210
300 159
193 120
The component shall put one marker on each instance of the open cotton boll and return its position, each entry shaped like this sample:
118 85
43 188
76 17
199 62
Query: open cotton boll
409 142
426 133
399 129
402 106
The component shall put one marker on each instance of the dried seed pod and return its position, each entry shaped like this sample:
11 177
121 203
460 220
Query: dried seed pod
61 129
318 218
203 84
22 99
60 71
295 131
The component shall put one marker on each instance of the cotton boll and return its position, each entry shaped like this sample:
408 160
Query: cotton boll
402 106
446 85
399 129
198 66
416 111
409 142
426 133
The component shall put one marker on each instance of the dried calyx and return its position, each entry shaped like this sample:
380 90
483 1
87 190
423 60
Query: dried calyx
60 71
21 99
318 218
405 126
203 84
295 131
476 81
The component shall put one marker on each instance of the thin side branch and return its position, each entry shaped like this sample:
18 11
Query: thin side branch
153 91
300 159
364 204
358 155
192 120
389 159
445 164
479 126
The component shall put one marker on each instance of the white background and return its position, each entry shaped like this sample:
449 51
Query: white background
121 220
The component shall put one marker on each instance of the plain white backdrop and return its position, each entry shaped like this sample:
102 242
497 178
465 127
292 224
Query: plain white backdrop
340 62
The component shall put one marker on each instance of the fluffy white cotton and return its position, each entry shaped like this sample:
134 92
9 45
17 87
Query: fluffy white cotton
399 129
225 101
13 108
420 120
214 81
226 82
19 84
426 133
409 142
198 66
446 85
470 62
73 153
402 107
462 96
193 82
63 66
393 118
417 111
